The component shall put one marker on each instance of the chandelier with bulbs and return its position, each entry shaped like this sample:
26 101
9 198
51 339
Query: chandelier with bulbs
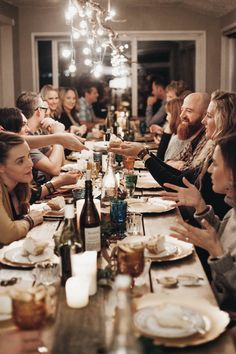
89 21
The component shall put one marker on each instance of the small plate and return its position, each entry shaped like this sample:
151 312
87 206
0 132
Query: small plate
15 257
170 250
139 165
169 321
189 279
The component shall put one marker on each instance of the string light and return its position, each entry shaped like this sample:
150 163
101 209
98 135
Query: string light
88 19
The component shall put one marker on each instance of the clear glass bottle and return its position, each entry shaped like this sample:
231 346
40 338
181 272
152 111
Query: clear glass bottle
90 229
124 340
109 183
70 241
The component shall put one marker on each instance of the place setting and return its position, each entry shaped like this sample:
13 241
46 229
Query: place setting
177 322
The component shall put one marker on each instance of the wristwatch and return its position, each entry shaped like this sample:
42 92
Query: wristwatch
143 153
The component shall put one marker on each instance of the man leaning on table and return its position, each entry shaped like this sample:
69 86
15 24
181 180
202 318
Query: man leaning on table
48 160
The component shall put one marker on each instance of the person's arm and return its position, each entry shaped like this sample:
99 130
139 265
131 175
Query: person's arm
67 140
163 173
223 269
51 164
11 230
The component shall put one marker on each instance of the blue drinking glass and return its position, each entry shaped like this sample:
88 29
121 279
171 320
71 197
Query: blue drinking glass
118 217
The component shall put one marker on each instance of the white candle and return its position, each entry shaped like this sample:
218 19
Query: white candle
86 264
77 291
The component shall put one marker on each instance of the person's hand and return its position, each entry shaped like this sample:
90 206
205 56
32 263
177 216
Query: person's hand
82 129
156 129
206 238
189 196
52 126
97 134
72 142
151 100
127 149
36 216
66 179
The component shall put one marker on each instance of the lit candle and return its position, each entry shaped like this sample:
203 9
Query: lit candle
77 291
86 264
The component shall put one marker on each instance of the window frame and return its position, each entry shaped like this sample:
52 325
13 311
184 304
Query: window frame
199 37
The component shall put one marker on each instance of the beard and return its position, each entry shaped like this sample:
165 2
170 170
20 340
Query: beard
186 129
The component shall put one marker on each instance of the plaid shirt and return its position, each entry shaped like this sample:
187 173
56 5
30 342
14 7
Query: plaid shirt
86 112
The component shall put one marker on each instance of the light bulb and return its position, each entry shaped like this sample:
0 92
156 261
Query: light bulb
66 53
70 13
83 24
98 49
112 13
90 41
88 62
86 51
75 34
72 67
83 32
126 46
100 31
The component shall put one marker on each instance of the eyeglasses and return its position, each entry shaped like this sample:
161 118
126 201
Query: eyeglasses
44 108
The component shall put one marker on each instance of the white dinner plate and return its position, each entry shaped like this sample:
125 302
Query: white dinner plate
169 321
14 256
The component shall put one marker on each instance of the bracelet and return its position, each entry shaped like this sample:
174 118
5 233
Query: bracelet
143 153
50 187
29 220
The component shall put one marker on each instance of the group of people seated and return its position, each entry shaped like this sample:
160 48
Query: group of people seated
195 164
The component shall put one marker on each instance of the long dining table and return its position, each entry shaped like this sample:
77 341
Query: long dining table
89 330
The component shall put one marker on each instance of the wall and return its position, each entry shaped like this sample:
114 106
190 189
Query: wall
228 19
143 18
9 49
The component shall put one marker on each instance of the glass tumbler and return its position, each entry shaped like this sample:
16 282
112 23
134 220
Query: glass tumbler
134 224
118 217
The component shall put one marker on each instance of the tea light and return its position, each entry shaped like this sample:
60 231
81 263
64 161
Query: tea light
79 207
77 291
86 264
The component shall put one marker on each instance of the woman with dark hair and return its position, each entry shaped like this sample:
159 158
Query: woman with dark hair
15 177
218 238
69 111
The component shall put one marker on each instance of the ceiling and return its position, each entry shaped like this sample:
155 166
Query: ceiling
210 7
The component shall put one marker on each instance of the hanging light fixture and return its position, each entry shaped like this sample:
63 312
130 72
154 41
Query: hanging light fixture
88 20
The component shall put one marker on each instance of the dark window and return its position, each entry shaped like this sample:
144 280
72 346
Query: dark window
45 62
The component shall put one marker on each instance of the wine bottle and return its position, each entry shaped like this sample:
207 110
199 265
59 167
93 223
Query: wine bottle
109 183
90 229
124 340
70 242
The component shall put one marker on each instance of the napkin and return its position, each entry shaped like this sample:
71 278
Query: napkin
33 247
172 316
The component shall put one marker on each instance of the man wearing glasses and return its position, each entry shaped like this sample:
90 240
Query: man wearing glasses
48 160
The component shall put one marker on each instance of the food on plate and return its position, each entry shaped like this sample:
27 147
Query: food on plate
114 141
33 247
156 244
172 316
56 203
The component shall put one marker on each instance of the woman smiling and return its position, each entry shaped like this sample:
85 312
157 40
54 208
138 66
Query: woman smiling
15 177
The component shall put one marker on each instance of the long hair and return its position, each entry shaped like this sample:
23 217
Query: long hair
180 88
22 190
11 119
225 120
174 108
227 146
62 92
225 113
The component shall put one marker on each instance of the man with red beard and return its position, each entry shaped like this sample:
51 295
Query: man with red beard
193 110
191 128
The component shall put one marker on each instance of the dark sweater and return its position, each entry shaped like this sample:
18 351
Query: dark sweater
164 173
